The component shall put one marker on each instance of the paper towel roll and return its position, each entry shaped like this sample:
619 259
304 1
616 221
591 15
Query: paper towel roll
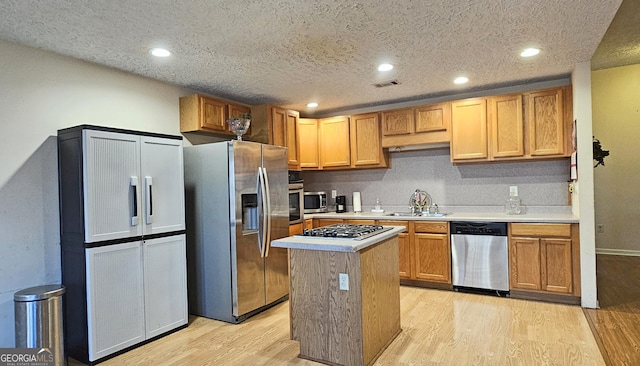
357 204
574 166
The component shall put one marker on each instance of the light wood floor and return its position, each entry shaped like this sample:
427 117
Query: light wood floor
439 327
616 325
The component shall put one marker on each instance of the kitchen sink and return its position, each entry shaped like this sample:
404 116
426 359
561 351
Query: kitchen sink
422 214
402 214
425 214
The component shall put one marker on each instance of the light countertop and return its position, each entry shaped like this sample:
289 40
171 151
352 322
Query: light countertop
462 216
334 244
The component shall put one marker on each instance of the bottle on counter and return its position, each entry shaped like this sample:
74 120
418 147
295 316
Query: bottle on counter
377 208
513 206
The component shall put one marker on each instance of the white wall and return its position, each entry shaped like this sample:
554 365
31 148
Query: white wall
583 195
41 92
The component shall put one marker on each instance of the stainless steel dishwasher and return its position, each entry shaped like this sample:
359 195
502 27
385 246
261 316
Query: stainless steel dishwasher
480 256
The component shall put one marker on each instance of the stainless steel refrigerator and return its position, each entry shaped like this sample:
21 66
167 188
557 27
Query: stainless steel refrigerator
236 203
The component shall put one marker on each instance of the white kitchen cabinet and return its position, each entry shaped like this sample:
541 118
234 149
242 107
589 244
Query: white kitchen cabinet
115 306
132 185
145 281
122 238
111 185
161 168
165 284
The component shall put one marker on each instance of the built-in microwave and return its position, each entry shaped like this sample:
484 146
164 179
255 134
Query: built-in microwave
315 202
296 197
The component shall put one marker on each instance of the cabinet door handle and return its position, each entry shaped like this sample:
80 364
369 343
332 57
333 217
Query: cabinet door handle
133 183
148 182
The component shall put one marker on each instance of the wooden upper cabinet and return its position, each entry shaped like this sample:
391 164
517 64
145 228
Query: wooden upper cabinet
278 127
422 125
506 126
334 142
309 154
293 139
341 143
236 110
201 113
545 119
531 125
469 129
431 118
397 122
213 116
364 133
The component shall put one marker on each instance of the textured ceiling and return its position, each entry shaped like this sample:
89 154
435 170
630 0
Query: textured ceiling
289 53
620 45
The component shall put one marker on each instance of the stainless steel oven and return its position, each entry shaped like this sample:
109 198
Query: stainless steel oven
296 197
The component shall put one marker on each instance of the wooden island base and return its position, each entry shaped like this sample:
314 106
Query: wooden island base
345 327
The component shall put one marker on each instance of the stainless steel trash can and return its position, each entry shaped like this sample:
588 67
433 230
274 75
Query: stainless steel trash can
38 312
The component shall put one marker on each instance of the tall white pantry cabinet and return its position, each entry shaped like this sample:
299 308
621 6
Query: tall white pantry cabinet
122 222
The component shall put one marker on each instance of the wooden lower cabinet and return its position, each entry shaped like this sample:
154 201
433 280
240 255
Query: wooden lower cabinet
544 258
432 252
424 248
308 224
424 251
432 257
404 246
345 327
295 229
326 222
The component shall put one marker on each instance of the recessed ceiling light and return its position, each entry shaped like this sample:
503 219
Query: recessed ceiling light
160 52
312 105
461 80
528 52
385 67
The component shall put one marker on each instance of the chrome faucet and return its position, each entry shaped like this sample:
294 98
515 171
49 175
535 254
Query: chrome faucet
418 200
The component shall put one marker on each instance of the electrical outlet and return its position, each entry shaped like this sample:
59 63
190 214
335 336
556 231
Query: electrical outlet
513 191
334 193
344 281
600 228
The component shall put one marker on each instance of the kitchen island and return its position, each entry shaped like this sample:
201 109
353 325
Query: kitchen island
344 300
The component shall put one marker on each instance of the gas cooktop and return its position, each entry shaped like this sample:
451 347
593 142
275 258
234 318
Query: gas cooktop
346 231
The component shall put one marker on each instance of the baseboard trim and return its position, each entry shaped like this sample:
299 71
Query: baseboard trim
623 252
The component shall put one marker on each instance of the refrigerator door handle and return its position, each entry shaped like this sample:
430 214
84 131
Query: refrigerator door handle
133 183
262 236
267 244
148 182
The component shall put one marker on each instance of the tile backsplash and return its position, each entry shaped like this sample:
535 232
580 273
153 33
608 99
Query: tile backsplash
542 185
